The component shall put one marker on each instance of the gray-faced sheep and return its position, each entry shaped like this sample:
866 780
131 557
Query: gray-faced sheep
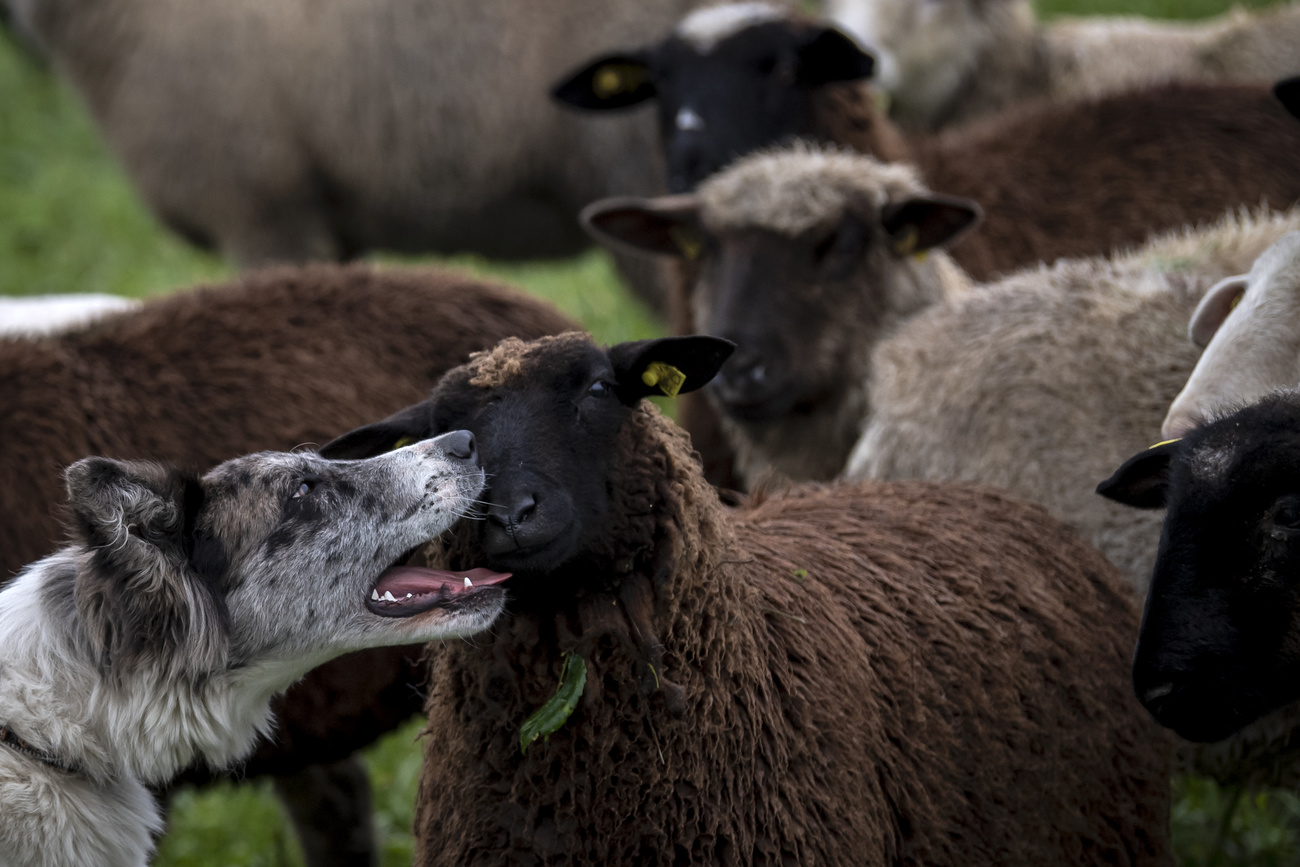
281 359
296 130
888 674
1249 326
1054 180
1219 646
948 61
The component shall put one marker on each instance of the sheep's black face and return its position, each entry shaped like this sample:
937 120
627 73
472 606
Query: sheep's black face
719 100
549 419
1220 639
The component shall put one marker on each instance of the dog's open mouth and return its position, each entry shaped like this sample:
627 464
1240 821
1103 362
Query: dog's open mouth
404 591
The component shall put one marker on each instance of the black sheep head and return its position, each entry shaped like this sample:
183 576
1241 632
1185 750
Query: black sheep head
1220 639
571 495
722 98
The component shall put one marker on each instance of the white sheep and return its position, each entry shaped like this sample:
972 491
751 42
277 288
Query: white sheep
1249 327
946 61
47 314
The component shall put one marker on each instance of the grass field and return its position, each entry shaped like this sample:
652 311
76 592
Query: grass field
69 223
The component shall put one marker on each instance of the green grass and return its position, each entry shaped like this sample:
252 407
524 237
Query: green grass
69 223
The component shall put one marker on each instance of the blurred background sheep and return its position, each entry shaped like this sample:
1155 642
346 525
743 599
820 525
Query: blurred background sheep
70 222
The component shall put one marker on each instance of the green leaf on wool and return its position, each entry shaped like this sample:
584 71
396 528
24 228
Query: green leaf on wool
548 718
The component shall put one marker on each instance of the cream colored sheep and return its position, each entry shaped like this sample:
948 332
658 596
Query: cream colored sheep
947 61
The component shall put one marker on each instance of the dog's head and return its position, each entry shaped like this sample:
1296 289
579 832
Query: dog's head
272 562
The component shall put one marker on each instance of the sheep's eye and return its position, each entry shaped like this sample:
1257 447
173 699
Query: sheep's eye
598 389
1286 512
304 489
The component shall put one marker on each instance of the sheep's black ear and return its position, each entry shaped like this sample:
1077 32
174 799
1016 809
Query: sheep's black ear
924 222
669 365
1288 92
829 55
1143 479
612 82
667 225
406 426
144 599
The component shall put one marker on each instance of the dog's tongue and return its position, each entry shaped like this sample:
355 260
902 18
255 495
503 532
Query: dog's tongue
401 580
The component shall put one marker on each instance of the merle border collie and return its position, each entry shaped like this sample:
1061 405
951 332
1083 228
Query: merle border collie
160 635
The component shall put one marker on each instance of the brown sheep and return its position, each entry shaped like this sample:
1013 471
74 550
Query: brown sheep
280 359
885 674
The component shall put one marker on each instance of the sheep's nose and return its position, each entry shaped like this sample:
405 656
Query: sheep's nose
458 444
514 511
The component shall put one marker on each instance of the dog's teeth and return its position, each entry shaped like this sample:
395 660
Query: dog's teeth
468 583
408 595
374 594
389 597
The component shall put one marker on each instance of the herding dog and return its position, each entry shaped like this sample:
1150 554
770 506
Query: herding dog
184 604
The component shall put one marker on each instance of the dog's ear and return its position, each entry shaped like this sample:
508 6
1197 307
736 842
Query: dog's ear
139 598
406 426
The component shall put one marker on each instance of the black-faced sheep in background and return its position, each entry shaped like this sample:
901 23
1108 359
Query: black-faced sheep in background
281 359
1054 180
296 130
945 62
1220 645
887 674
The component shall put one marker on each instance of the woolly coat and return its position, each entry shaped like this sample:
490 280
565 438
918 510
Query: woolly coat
998 55
297 131
892 674
281 359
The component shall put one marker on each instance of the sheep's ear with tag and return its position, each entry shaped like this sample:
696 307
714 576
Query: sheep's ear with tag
925 222
668 366
406 426
1214 308
667 225
829 56
612 82
1142 481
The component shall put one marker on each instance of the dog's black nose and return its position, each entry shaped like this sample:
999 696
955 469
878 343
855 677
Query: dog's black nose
458 444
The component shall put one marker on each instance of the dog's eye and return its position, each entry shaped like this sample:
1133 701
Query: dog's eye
599 389
304 489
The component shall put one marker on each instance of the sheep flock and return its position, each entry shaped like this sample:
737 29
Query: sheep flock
901 474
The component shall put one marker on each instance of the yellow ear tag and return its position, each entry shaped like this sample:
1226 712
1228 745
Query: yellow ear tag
685 242
905 243
1236 301
1164 443
669 379
616 78
403 443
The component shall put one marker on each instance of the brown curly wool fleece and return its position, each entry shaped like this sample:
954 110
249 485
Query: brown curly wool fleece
279 359
898 673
